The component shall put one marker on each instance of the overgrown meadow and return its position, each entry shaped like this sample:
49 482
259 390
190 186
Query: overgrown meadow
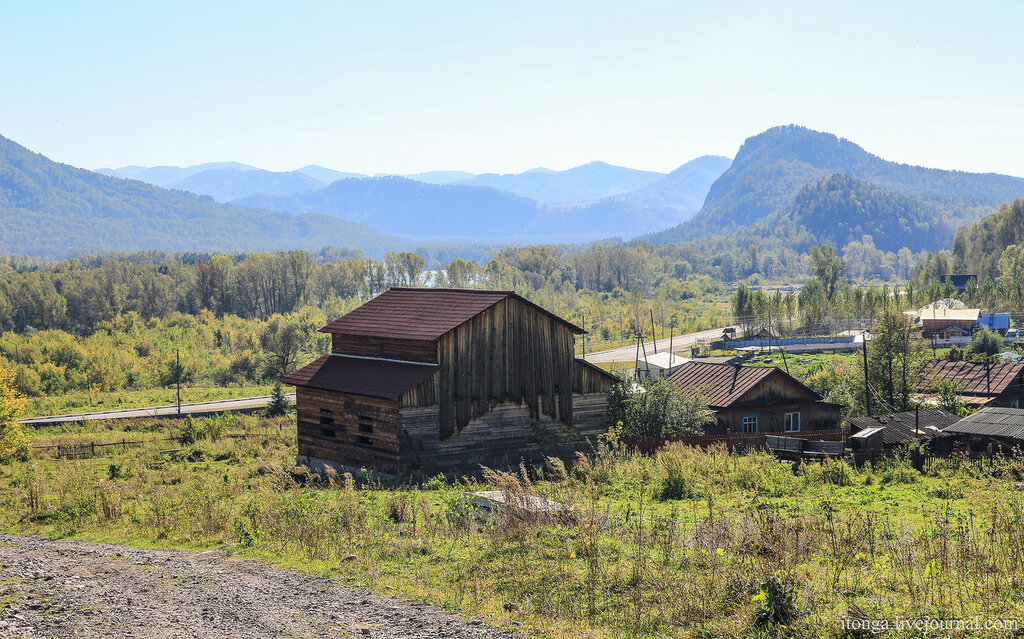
688 542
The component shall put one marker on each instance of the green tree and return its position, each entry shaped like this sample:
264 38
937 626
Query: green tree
660 409
828 267
986 342
1011 263
895 354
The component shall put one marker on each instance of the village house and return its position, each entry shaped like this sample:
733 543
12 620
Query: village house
947 323
756 399
437 380
659 365
978 383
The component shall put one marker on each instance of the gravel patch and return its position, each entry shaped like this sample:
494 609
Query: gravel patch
79 589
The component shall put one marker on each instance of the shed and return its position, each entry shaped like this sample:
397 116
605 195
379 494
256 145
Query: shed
445 380
990 430
999 322
661 365
909 427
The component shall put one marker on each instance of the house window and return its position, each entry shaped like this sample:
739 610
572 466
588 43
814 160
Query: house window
749 424
327 421
326 411
327 432
792 422
1015 402
363 440
365 428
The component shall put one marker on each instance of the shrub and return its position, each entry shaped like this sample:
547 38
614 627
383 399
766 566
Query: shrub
776 603
836 472
675 484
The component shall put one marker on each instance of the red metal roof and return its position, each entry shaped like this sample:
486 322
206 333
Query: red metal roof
361 375
722 384
421 313
975 378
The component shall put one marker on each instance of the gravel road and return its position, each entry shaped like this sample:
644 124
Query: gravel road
79 589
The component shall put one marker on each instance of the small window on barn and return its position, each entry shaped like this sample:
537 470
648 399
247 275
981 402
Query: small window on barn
363 440
749 424
365 428
1015 402
327 432
326 411
326 420
792 422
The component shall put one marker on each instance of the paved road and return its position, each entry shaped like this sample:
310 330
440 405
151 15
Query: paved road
245 404
679 342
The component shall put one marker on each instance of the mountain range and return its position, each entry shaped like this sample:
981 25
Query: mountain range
53 210
789 185
772 168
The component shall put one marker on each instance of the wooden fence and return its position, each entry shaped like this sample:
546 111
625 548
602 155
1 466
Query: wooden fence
85 450
734 443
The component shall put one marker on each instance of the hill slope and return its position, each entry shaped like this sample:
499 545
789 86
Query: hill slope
684 189
771 168
165 176
54 210
840 209
585 183
977 247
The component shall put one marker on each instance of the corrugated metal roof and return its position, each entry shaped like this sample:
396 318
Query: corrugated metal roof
902 428
361 375
975 378
928 314
995 321
422 313
995 422
722 384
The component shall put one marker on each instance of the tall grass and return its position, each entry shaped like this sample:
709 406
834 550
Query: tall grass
687 542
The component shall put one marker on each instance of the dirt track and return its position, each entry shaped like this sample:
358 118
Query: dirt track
77 589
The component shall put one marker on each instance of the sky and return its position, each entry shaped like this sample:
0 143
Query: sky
403 87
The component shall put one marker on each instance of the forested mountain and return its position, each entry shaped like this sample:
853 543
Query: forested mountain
55 210
771 168
416 209
225 185
977 248
839 210
585 183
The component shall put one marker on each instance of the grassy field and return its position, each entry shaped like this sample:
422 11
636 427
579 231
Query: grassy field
685 543
89 402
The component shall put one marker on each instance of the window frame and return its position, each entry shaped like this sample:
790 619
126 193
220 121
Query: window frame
787 422
743 423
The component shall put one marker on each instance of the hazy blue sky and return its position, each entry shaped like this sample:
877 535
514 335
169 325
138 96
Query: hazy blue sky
504 86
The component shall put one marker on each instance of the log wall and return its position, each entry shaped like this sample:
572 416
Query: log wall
503 437
348 429
400 349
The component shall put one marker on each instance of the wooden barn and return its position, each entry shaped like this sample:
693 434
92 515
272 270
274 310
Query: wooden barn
978 383
756 399
438 380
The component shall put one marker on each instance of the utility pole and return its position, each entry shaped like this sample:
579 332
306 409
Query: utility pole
867 388
636 363
177 376
584 336
654 334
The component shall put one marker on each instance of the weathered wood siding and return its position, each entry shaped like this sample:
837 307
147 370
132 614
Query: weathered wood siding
348 429
512 353
770 400
400 349
503 437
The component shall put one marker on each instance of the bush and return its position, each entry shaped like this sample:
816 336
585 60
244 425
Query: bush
836 472
675 485
776 603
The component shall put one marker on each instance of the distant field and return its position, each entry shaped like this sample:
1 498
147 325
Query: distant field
86 402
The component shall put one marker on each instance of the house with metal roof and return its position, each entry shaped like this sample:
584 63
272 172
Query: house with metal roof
978 383
906 428
990 430
438 380
756 399
940 321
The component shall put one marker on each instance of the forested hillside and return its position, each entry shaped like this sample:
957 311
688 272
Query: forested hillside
55 210
225 185
839 210
770 169
981 248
